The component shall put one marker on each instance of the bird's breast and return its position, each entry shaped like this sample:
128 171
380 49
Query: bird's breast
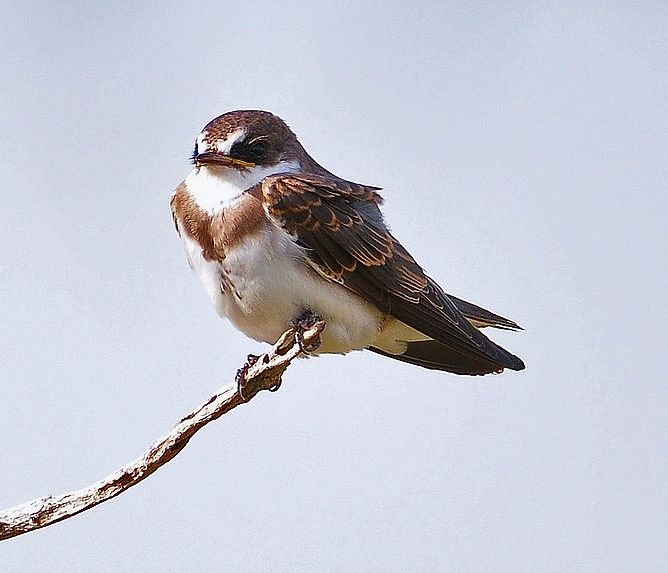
220 231
260 278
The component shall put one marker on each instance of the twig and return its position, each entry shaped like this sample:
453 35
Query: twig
264 374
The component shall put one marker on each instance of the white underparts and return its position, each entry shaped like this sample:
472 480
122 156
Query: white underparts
394 336
265 282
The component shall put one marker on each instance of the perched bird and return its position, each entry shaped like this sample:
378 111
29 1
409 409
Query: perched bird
279 242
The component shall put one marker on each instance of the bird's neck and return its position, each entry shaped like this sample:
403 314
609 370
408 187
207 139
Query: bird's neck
215 189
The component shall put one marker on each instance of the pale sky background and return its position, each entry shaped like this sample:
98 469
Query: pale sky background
523 152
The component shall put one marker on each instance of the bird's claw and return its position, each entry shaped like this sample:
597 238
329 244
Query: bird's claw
240 377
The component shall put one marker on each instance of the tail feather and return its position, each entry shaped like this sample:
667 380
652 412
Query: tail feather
480 317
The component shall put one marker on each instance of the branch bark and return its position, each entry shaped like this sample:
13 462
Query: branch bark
264 373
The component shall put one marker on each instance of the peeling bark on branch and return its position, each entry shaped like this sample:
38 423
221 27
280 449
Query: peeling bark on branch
264 374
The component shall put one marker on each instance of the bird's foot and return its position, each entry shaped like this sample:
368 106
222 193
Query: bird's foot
240 377
303 322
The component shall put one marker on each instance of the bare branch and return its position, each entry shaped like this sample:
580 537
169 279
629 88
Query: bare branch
263 373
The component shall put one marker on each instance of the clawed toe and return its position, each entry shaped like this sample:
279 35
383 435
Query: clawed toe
240 377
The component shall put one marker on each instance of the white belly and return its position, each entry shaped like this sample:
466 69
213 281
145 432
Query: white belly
265 281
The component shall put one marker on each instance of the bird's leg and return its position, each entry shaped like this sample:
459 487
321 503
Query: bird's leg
300 324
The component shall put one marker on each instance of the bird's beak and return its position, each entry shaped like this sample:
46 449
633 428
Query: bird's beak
212 158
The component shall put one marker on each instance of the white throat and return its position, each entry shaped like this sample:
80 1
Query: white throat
215 188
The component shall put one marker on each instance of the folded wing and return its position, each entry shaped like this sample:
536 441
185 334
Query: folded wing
341 225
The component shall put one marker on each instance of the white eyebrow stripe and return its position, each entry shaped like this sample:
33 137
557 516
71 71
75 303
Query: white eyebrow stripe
201 143
225 145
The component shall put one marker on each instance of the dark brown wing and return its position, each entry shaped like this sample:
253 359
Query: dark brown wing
341 225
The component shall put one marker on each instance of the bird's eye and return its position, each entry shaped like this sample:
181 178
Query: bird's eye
258 150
